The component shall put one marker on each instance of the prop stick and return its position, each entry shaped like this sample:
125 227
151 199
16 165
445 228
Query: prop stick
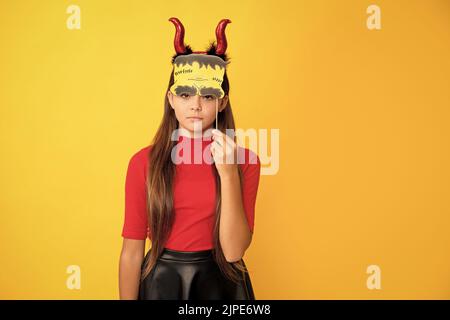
217 107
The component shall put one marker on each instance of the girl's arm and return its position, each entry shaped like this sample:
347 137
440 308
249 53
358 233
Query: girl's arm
237 215
131 259
235 236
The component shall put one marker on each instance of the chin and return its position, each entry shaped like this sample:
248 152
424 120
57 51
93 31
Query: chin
192 125
201 125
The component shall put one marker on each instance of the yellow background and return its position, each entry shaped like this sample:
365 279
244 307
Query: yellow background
364 139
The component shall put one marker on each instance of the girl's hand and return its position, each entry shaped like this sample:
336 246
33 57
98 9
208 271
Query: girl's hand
224 152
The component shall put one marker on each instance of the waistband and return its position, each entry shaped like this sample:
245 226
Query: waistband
169 254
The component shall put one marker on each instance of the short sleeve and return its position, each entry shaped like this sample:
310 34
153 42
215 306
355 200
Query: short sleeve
135 224
251 173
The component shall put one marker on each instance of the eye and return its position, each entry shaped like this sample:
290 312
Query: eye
209 97
184 95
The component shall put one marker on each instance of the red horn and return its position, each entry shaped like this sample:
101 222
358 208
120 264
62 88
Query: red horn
220 36
179 35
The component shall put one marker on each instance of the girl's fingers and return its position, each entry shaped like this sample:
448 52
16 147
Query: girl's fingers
230 142
225 149
219 138
226 141
223 153
218 158
230 148
217 147
219 143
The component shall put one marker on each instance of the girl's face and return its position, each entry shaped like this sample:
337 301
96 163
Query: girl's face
190 109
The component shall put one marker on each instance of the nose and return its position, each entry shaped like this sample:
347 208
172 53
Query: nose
196 105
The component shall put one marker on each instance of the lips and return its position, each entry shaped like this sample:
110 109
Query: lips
195 118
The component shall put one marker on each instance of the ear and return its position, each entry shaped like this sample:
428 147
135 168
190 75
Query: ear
170 98
223 103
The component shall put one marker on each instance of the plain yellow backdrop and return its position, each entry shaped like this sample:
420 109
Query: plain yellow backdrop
363 116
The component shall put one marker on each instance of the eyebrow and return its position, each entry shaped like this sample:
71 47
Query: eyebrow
185 89
210 91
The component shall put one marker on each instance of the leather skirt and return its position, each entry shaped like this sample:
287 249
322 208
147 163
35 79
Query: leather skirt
191 275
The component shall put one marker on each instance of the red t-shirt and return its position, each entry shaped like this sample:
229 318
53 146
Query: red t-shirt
194 195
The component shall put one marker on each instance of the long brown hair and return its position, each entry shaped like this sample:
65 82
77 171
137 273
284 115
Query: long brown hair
159 189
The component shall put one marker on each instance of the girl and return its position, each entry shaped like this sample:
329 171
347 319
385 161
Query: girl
199 215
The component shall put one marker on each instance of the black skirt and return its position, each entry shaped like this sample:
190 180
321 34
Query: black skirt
191 275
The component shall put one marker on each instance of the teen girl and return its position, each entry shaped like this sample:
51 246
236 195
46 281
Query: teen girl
196 207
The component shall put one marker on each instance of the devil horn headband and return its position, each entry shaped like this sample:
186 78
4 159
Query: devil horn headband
180 48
